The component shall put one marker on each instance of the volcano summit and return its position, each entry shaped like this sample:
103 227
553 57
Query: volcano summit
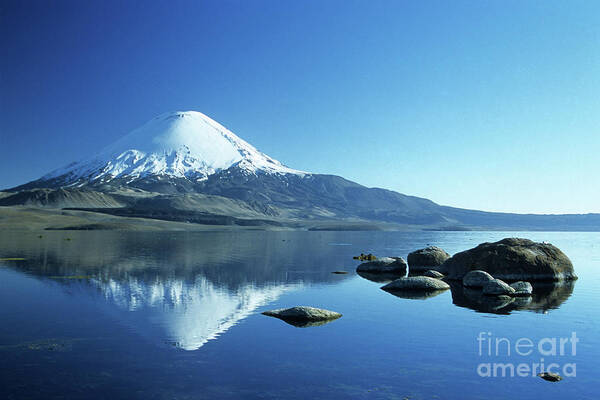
186 145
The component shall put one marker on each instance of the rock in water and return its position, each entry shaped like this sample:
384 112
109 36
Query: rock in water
395 265
522 288
303 316
550 376
433 274
431 257
513 259
496 287
476 278
417 283
365 257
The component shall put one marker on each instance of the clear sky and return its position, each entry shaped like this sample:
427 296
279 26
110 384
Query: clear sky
491 105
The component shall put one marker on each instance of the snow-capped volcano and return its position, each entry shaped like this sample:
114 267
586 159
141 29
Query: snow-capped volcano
182 144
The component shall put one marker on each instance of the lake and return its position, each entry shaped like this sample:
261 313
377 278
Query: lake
170 315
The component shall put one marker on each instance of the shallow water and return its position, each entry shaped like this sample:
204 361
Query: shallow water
177 315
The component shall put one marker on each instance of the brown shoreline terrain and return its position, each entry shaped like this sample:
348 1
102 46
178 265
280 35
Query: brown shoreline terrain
139 210
30 218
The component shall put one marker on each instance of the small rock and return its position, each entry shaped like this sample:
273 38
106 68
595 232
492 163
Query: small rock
496 287
433 274
340 272
431 257
365 257
420 283
395 265
550 376
476 278
302 315
522 288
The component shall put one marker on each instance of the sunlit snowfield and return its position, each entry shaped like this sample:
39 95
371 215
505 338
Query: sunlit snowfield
177 315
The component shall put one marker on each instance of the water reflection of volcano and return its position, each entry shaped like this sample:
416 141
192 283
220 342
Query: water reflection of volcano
191 313
546 296
178 288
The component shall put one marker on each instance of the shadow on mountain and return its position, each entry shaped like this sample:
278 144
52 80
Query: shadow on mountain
546 296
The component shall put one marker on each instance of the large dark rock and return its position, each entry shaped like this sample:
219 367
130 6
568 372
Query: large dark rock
513 259
429 258
395 265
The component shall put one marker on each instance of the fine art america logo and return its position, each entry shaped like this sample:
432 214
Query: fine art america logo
509 358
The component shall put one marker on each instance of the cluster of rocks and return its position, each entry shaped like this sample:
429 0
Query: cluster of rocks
485 267
395 269
495 287
482 269
513 259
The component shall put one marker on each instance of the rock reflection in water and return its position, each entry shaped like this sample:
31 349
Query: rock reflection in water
415 294
380 277
546 296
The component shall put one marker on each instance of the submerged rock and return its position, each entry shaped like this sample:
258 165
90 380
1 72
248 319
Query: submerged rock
303 316
513 259
496 287
522 288
431 257
476 278
550 376
395 265
416 283
339 272
433 274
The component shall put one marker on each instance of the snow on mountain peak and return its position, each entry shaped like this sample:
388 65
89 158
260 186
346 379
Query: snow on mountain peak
185 144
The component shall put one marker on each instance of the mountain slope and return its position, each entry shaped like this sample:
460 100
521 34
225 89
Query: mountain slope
183 166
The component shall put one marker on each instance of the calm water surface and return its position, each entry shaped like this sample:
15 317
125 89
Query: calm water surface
177 316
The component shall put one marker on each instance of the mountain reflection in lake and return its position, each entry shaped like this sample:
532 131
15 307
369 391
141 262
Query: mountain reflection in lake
161 315
179 289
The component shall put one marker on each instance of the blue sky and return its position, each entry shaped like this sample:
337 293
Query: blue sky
491 105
